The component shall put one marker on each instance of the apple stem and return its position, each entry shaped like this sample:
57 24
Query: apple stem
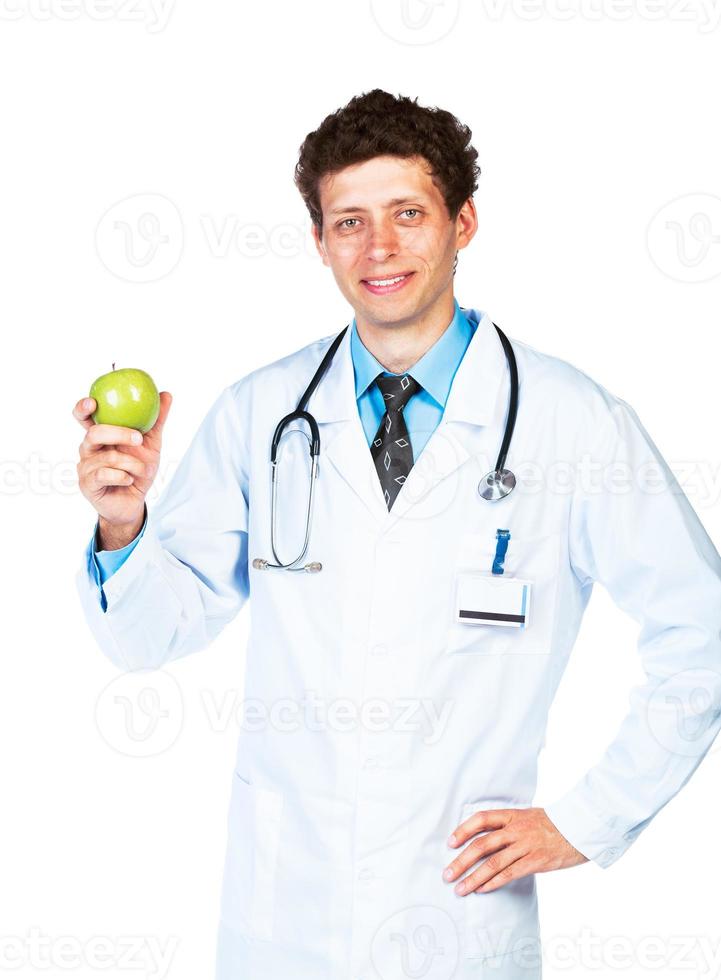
113 365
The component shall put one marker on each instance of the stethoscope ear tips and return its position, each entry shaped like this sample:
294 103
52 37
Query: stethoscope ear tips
262 563
496 485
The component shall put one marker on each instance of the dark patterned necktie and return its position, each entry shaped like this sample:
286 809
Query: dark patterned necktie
391 448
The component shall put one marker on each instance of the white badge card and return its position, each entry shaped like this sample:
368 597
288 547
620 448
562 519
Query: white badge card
484 599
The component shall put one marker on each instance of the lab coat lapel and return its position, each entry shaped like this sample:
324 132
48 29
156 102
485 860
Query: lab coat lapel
343 441
472 403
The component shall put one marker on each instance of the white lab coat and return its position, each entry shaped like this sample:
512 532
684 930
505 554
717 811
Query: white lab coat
378 723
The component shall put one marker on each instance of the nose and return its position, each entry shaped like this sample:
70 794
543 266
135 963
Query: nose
382 241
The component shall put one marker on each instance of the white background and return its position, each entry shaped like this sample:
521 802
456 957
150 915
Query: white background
588 121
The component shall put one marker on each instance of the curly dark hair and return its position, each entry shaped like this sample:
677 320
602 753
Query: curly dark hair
377 123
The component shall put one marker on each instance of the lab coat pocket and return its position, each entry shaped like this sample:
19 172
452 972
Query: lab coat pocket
529 557
248 894
502 922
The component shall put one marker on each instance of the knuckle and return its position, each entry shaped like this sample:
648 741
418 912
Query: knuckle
492 863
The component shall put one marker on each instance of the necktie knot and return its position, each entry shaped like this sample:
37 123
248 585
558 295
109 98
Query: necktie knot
397 389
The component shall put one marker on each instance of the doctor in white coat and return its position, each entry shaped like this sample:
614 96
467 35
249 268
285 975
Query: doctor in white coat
381 820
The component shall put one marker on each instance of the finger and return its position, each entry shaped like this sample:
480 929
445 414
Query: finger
492 867
98 436
477 849
480 821
107 476
83 410
124 461
519 866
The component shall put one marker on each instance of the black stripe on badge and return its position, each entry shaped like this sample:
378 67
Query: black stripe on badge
496 617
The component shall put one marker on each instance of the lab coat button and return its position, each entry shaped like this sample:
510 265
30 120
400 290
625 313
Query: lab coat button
371 762
379 650
365 874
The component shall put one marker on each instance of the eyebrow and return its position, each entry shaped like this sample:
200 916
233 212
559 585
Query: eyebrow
389 204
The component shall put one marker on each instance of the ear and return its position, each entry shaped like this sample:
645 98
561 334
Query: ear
466 223
319 244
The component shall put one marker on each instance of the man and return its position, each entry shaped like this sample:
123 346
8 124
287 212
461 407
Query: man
380 824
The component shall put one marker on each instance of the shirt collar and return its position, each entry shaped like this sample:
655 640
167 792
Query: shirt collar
434 371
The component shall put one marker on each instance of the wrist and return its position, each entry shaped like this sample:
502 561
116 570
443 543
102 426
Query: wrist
112 537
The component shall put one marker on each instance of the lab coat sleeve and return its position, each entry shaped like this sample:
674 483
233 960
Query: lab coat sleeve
108 562
103 564
186 578
639 536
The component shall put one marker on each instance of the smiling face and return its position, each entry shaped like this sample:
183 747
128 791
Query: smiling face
390 242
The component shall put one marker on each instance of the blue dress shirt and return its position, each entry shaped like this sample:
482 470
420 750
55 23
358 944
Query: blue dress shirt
434 372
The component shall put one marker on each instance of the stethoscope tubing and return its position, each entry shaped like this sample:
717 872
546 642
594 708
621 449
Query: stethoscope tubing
301 413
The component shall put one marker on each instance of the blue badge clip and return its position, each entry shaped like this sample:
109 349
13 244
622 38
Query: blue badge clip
502 538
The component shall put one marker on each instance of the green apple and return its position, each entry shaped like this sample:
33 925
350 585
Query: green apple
127 397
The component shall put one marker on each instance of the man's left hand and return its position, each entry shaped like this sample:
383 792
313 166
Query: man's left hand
515 843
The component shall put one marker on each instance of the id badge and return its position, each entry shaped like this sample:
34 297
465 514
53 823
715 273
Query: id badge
484 599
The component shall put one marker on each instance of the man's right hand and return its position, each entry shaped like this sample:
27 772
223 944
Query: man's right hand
115 472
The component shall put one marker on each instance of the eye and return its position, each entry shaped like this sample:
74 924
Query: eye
411 211
344 223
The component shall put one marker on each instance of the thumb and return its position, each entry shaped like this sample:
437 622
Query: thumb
166 400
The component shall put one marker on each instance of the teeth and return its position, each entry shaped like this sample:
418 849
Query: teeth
385 282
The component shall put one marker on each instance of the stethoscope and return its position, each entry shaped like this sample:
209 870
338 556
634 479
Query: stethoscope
494 485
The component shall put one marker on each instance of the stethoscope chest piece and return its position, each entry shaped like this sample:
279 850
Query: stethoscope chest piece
496 484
